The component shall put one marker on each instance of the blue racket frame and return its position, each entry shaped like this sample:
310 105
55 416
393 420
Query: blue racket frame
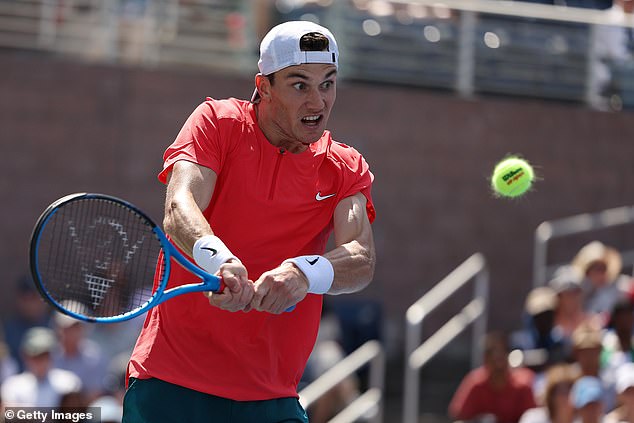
209 282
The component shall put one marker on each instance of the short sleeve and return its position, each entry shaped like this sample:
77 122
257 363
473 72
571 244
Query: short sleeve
357 178
198 141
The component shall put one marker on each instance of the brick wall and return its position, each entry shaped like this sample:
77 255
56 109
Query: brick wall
67 127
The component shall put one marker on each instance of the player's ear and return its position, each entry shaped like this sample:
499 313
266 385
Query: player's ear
263 85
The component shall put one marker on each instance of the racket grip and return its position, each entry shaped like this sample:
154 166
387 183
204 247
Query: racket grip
222 286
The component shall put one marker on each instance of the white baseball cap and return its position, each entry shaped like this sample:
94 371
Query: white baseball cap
280 48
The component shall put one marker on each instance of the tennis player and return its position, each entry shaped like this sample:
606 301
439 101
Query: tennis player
254 191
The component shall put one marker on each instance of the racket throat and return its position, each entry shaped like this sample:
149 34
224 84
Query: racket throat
98 286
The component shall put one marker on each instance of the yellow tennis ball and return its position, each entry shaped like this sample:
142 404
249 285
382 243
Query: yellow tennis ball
512 177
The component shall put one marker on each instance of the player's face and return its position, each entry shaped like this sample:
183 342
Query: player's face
300 100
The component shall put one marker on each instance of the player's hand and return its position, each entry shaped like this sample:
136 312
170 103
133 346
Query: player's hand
239 290
279 289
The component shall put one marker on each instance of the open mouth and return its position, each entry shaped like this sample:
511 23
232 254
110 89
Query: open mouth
313 120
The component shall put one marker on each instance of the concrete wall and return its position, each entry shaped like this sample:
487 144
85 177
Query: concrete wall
67 127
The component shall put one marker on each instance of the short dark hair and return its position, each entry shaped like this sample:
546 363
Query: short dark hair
312 41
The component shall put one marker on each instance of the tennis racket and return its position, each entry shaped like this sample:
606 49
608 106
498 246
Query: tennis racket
98 258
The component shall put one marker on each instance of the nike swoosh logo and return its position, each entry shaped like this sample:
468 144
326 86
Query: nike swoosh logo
320 197
213 250
312 262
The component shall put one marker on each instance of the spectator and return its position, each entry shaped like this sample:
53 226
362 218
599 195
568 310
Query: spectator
116 338
40 385
587 343
79 355
569 314
587 398
625 391
73 402
603 284
611 44
540 332
494 388
618 344
111 409
556 406
8 365
30 311
116 376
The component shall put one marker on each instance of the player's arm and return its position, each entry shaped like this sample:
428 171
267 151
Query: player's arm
353 258
349 267
189 191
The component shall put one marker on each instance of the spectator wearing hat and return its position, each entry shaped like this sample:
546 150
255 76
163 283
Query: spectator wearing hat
494 388
569 313
40 385
555 404
540 332
624 413
603 284
79 355
587 398
541 343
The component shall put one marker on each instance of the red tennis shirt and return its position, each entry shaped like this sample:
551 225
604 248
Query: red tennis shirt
267 206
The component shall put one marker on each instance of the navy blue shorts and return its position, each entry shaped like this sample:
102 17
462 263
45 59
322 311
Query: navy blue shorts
153 401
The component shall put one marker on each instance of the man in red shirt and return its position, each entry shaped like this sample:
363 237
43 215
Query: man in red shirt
494 389
254 190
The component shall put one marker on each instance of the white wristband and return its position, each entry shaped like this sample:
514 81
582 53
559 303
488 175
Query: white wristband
318 271
210 253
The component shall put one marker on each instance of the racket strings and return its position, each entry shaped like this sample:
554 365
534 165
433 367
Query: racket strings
98 258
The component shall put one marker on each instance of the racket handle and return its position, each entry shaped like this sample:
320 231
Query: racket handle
223 286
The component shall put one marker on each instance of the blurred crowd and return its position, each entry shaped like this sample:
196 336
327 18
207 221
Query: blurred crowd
48 359
573 358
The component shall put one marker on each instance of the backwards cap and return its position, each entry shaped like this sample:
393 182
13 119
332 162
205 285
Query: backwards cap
280 48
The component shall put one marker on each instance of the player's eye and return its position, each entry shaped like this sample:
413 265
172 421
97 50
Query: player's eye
299 86
327 84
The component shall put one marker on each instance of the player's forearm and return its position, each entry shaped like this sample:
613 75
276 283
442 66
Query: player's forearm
189 191
184 222
353 263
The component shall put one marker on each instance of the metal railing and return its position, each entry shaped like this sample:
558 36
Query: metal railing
417 354
370 403
573 225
